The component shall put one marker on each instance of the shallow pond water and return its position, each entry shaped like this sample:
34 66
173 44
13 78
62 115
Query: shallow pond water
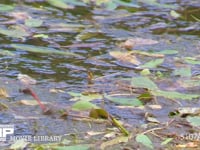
92 32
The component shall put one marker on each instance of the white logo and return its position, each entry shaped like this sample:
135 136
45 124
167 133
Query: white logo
5 130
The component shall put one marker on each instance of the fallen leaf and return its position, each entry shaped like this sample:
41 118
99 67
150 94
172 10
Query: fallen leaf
125 57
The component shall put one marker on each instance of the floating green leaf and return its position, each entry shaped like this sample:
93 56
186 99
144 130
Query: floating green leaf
175 95
194 120
167 52
4 7
153 63
33 22
143 139
58 3
84 105
183 72
75 147
157 4
40 49
127 4
192 61
125 100
143 82
75 2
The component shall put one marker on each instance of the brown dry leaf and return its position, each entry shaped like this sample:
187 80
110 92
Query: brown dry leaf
3 93
130 43
125 57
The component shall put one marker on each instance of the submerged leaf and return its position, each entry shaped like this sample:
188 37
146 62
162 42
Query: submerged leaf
143 139
41 49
